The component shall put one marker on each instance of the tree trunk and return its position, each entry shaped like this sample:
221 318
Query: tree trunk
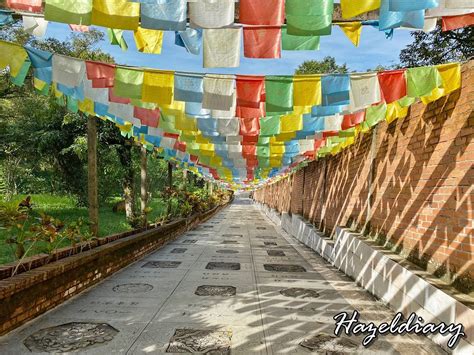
125 155
185 180
143 185
92 175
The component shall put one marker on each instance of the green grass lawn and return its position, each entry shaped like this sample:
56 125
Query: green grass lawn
64 208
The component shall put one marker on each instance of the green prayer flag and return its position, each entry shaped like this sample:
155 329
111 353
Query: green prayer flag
298 43
128 82
263 152
19 79
309 17
76 12
347 133
422 81
269 126
375 114
279 93
406 101
116 38
72 104
263 141
167 124
263 162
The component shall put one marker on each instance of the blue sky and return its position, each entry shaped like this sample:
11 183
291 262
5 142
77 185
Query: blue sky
374 49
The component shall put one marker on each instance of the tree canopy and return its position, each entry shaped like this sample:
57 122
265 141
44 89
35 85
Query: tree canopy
327 65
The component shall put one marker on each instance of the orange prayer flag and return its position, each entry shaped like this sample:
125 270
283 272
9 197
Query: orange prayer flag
262 12
262 42
454 22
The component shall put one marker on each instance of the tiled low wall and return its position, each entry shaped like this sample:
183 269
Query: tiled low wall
401 285
31 293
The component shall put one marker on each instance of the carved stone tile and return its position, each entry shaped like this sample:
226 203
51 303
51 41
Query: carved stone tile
133 288
70 337
178 251
232 235
227 251
297 292
162 264
276 253
189 241
235 227
230 242
208 290
222 266
329 344
200 341
265 237
284 268
270 243
261 228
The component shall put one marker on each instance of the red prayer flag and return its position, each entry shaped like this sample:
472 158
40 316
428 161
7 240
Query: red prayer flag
330 134
353 120
393 85
450 23
262 12
117 99
262 42
181 146
250 96
101 74
249 150
250 126
25 5
193 158
171 135
318 143
252 161
249 139
147 117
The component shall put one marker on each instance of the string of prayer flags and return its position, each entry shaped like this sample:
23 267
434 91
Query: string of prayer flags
262 12
117 14
74 12
352 30
279 94
298 43
116 38
211 13
222 47
451 81
309 18
351 8
365 91
262 42
148 41
164 15
26 5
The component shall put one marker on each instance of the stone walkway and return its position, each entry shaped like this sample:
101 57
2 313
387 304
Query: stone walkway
236 282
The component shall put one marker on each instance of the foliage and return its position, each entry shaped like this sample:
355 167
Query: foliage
438 47
327 65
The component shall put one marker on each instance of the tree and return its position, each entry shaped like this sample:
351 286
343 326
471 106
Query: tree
327 65
438 47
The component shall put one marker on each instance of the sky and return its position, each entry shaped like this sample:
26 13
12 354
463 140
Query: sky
374 50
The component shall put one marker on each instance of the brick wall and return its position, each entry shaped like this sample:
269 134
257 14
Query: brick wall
420 171
27 295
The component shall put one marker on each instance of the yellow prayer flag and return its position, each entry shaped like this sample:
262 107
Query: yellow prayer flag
158 87
284 137
86 106
451 75
306 90
352 30
117 14
352 8
291 123
148 41
186 123
395 111
13 55
275 162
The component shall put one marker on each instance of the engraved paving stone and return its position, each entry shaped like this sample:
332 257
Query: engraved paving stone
297 292
189 241
70 337
276 253
270 243
330 344
162 264
207 290
178 250
261 228
227 251
284 268
230 242
232 235
265 237
133 288
222 266
200 341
